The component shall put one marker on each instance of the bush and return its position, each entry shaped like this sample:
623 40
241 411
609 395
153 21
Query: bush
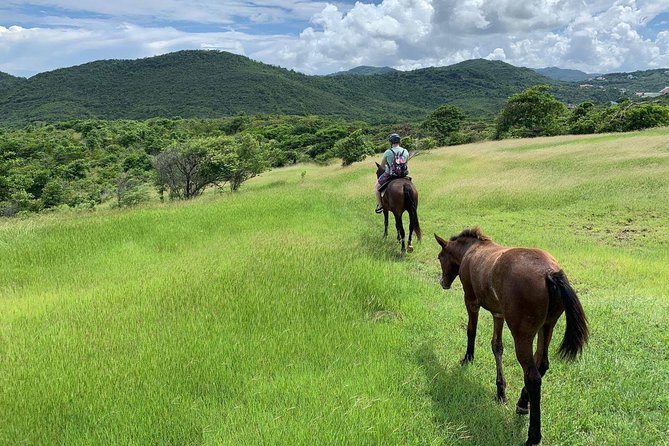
353 148
443 122
534 112
645 116
584 118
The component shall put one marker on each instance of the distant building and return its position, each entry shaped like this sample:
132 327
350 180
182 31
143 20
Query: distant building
585 85
630 76
665 90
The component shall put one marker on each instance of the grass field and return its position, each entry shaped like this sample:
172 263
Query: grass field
279 316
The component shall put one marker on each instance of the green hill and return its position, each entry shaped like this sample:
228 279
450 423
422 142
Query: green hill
280 316
215 84
186 84
651 81
364 70
562 74
7 82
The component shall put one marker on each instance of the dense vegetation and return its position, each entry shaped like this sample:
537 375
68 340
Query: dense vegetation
279 316
212 84
562 74
364 70
85 163
8 82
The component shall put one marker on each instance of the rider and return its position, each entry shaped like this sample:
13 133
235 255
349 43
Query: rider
388 158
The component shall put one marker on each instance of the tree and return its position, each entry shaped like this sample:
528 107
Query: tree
231 159
353 148
643 116
584 118
53 193
443 121
533 112
238 159
185 169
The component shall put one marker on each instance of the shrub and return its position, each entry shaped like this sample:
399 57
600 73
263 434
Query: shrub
353 148
533 112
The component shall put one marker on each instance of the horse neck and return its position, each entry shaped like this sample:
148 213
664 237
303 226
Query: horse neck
462 246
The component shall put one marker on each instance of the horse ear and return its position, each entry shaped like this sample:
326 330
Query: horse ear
377 165
440 240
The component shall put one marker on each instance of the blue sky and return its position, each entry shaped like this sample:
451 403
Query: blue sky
318 37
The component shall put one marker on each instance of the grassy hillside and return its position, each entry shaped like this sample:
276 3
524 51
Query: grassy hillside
279 316
213 84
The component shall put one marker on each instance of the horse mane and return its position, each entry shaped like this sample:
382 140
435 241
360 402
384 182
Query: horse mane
474 233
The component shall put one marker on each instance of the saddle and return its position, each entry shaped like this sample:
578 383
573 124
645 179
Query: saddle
383 187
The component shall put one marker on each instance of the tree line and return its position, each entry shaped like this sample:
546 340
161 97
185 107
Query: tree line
85 163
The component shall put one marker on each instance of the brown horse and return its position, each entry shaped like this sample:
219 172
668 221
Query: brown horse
400 195
527 289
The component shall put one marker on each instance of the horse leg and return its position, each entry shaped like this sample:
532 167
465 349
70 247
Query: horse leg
400 230
541 355
411 229
497 350
385 223
473 312
540 360
532 387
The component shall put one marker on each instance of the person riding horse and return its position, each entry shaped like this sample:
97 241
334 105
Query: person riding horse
394 163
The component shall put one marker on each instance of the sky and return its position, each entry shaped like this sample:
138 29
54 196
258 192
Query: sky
320 37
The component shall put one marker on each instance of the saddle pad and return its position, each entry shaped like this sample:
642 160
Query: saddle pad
383 187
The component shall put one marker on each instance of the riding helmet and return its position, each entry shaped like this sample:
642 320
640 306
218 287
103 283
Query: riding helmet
394 138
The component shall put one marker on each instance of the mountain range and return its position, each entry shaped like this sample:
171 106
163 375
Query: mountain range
364 70
208 84
562 74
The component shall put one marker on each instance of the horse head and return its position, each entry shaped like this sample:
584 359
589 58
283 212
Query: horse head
453 250
450 266
379 170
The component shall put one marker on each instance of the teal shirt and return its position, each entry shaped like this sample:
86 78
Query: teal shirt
388 156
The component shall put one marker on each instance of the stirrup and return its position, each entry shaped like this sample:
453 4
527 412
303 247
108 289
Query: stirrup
379 209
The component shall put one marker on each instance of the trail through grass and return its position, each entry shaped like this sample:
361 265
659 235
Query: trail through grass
278 315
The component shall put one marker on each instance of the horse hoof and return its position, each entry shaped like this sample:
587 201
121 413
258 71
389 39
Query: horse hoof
522 410
409 249
466 360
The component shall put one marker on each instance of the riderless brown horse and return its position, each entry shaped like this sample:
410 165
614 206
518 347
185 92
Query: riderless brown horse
400 195
527 289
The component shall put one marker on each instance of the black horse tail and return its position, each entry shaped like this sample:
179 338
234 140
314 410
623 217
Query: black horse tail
576 334
412 207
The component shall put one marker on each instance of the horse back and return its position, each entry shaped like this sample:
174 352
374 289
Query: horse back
509 281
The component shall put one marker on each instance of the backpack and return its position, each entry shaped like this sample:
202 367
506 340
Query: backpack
399 166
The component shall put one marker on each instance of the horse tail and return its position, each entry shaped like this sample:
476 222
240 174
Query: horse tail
412 207
576 334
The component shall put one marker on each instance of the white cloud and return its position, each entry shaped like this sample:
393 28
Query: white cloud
203 11
408 34
26 51
594 36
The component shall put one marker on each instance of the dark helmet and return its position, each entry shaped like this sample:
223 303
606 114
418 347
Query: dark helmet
394 138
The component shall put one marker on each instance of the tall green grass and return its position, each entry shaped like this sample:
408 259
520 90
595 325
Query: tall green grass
278 315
